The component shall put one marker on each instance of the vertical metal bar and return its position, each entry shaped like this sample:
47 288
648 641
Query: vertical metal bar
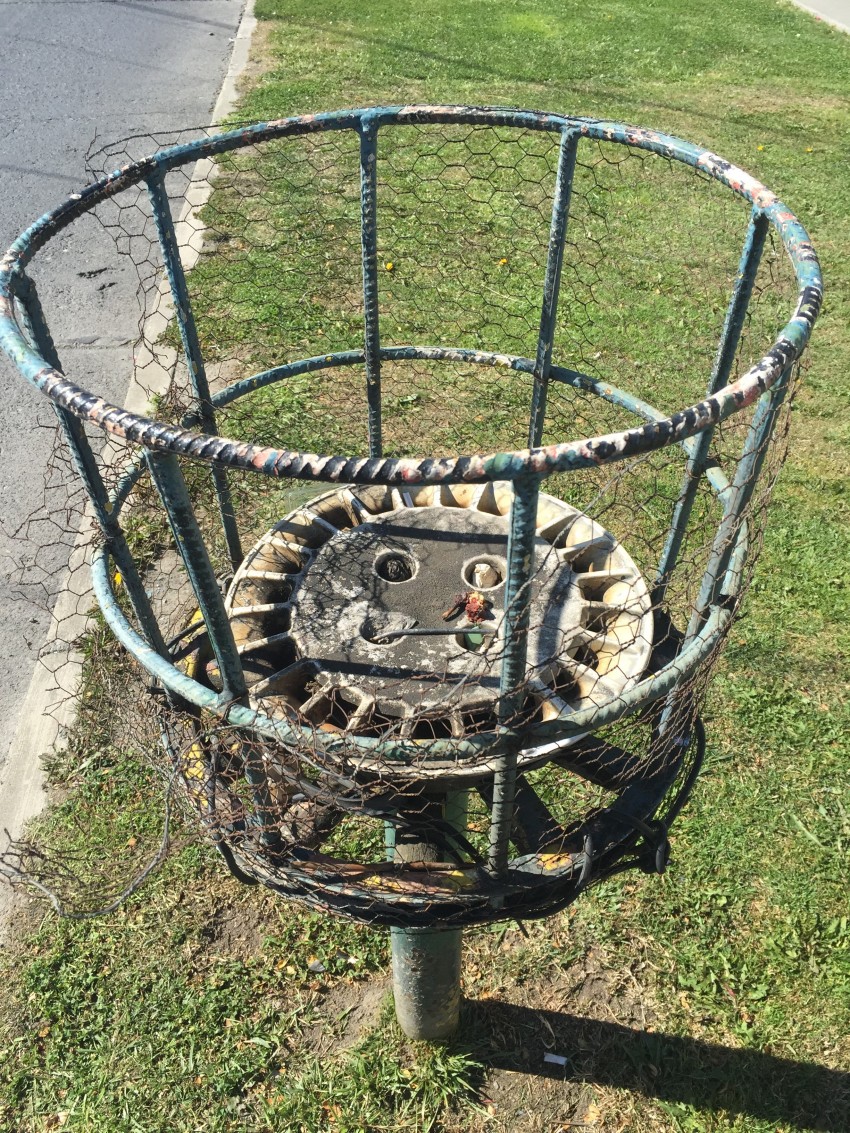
36 329
552 283
427 962
369 247
739 496
521 538
168 478
192 351
723 361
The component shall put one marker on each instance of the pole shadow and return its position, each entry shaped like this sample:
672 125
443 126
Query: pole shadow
666 1067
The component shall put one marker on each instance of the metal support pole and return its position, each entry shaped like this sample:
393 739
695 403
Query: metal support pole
36 329
192 352
521 537
427 962
552 284
725 357
168 478
369 248
738 499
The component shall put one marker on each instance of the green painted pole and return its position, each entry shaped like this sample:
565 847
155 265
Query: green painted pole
427 961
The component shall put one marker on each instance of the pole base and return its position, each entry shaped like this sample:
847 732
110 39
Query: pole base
426 981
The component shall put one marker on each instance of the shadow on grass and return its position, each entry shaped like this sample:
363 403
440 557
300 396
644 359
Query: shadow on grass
670 1068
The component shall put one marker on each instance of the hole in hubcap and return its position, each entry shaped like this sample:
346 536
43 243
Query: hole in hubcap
484 572
395 567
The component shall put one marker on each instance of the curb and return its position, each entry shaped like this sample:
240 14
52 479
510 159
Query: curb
49 709
823 18
227 96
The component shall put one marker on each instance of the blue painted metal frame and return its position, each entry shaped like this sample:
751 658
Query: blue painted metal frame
369 245
718 586
730 337
87 469
522 534
561 457
764 384
552 284
660 430
192 350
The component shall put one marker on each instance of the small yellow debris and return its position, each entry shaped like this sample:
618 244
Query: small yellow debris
503 261
384 881
457 879
810 149
194 766
554 861
593 1115
117 579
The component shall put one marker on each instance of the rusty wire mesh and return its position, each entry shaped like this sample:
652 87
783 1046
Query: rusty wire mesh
270 239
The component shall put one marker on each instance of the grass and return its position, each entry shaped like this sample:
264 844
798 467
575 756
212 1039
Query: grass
715 1000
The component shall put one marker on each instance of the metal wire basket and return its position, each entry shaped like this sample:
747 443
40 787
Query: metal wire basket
438 690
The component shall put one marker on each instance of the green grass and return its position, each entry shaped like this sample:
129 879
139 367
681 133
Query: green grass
195 1006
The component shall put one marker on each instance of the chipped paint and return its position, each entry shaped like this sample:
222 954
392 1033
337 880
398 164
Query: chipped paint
474 468
397 893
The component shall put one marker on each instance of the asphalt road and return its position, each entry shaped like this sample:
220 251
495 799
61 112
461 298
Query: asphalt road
835 12
74 70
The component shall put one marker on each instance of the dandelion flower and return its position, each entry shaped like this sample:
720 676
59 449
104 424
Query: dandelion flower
389 265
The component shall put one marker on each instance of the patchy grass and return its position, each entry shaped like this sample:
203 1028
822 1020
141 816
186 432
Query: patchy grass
717 999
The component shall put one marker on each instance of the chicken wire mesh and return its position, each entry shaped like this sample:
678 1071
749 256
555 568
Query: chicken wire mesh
415 688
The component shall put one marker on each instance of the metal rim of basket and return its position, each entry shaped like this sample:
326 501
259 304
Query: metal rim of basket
473 468
534 889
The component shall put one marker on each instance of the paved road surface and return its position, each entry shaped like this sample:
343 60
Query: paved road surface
835 11
73 70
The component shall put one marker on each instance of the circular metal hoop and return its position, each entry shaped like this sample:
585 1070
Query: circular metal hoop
300 724
474 468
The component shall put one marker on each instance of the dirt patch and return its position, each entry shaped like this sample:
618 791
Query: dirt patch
345 1013
546 1038
226 373
25 915
236 931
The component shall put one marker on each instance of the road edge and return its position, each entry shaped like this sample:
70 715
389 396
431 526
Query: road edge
47 712
228 96
821 17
